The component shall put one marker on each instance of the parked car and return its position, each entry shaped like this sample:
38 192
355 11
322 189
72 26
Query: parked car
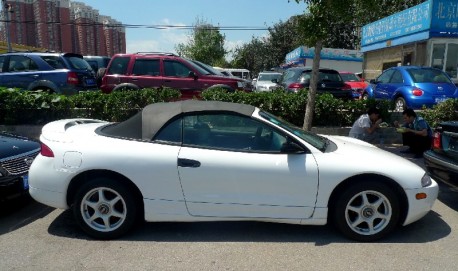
99 65
16 156
356 83
266 81
442 160
330 81
155 70
412 86
209 161
247 84
62 73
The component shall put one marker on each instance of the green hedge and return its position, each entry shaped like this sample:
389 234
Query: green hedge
23 107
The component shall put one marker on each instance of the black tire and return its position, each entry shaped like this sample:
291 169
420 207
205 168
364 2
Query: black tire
108 217
365 96
400 104
125 87
367 211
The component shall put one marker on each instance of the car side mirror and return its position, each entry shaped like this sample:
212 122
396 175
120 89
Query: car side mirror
291 147
193 75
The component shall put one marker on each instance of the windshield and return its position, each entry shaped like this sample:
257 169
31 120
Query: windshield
208 68
78 63
268 76
315 140
428 76
197 67
350 77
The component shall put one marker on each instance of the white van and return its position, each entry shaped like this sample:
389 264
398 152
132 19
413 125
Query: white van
241 73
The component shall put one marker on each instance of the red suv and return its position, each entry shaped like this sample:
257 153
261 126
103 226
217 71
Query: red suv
155 70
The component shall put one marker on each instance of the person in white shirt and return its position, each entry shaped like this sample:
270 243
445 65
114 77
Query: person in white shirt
366 125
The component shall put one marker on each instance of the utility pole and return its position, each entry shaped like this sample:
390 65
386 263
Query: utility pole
7 9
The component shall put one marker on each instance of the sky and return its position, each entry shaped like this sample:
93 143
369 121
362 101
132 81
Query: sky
223 13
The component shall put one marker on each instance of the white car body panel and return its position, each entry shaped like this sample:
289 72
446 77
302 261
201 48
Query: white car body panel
228 185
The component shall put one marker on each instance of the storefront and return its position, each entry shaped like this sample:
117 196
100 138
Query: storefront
424 35
338 59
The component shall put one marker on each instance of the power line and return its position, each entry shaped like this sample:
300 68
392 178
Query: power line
159 27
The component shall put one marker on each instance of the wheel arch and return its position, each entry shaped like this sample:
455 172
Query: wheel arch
354 180
88 176
128 86
222 86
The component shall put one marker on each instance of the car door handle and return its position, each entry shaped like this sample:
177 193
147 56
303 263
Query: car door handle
35 76
167 81
188 163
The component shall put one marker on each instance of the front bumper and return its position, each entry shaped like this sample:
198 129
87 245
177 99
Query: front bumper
418 208
441 168
13 187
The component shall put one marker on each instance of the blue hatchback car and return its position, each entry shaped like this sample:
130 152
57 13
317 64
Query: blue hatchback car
412 86
62 73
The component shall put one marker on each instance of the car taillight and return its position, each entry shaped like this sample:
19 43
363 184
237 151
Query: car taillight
46 151
72 78
346 87
295 86
417 92
436 141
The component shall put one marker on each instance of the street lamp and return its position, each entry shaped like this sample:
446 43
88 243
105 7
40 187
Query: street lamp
7 8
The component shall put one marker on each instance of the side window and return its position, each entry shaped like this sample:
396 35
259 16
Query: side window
171 132
54 61
146 67
118 65
397 78
19 64
175 69
2 61
230 132
384 78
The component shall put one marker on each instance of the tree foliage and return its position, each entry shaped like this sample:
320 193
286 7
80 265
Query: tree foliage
205 44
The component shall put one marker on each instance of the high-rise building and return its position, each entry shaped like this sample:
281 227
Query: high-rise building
63 26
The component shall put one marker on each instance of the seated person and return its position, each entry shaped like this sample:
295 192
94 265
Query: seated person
366 125
417 134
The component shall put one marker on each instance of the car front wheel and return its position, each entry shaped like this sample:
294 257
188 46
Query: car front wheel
104 208
367 211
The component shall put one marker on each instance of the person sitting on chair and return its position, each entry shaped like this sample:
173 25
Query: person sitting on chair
416 134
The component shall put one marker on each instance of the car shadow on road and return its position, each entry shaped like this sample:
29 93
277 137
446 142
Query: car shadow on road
428 229
20 212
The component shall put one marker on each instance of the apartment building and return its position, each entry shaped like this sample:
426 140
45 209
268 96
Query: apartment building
63 26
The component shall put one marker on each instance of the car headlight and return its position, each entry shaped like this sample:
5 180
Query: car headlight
426 180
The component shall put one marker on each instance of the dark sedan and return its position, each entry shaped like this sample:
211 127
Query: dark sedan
329 81
442 160
16 156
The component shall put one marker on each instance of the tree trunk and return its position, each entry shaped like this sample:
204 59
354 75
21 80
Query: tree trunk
310 106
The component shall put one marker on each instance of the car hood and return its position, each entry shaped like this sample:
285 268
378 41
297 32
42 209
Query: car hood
13 145
351 155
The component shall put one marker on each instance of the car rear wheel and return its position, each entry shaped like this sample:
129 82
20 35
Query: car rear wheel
400 104
367 211
104 208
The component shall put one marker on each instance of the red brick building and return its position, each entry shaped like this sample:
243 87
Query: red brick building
63 26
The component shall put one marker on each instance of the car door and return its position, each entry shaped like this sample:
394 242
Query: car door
178 76
21 72
232 166
380 88
146 73
396 82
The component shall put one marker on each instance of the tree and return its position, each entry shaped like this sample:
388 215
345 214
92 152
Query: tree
331 20
267 52
206 44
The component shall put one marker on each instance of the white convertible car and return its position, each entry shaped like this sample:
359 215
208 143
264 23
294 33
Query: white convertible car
216 161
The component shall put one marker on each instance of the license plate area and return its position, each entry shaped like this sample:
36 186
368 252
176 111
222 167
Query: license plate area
25 182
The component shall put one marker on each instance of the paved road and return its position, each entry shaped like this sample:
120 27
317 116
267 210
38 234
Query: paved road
35 237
